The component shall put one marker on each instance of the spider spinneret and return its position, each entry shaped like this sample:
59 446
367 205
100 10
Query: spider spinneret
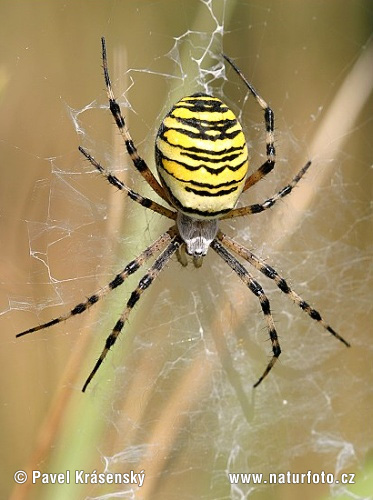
202 162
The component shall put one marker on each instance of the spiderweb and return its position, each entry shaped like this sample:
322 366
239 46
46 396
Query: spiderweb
174 398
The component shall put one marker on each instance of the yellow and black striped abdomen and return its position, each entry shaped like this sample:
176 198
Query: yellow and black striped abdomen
201 156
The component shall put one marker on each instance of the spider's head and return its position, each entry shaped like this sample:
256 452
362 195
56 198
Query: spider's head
197 234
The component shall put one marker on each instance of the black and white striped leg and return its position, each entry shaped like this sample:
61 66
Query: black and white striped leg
144 283
257 290
260 207
138 162
269 119
271 273
261 172
114 181
130 268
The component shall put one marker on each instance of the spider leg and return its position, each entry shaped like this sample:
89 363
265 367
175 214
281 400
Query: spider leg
257 290
138 162
269 119
181 255
260 207
113 180
130 268
144 283
256 176
271 273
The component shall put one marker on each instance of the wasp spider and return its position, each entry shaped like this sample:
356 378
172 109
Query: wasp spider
202 162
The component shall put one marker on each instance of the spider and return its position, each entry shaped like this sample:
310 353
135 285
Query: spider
202 162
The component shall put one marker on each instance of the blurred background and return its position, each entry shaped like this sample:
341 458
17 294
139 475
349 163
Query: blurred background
174 397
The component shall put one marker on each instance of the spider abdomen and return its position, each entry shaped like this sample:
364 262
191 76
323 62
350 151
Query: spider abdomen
201 156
